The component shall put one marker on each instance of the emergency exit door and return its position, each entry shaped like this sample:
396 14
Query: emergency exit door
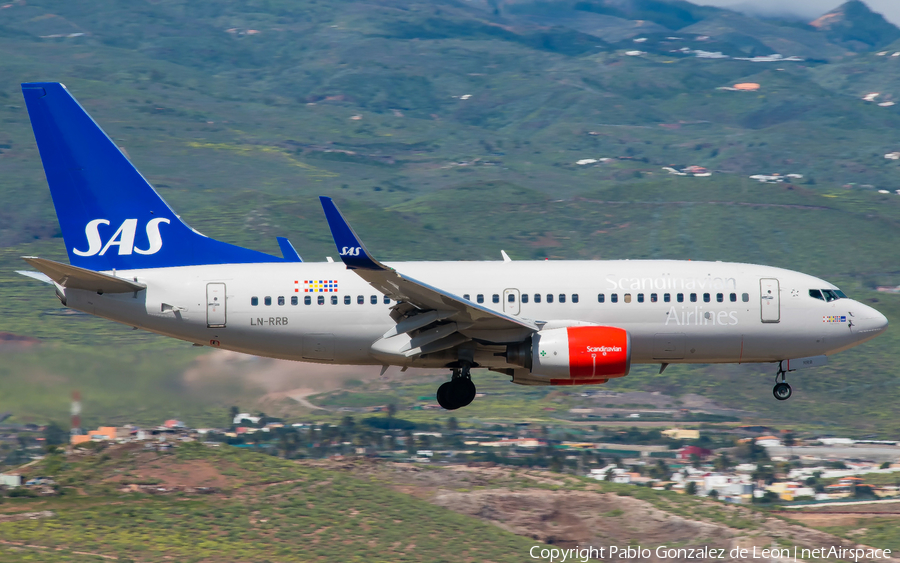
511 301
769 300
215 305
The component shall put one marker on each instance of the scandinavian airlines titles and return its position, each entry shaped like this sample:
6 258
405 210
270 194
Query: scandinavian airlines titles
123 238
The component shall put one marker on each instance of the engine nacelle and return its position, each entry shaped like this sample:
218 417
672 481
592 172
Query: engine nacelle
575 355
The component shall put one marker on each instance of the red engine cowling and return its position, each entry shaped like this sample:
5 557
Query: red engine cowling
581 355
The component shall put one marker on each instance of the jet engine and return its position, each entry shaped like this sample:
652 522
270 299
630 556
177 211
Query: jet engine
575 355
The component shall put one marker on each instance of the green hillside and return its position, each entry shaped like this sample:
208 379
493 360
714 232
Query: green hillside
241 113
264 509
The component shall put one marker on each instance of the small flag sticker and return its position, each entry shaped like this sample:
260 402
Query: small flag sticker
316 286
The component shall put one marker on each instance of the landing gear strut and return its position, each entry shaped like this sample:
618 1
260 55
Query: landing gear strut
459 391
782 390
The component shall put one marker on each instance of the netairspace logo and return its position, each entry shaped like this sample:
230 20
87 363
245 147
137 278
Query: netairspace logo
798 554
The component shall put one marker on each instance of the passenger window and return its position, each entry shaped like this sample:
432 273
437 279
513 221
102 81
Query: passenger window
373 300
537 297
334 300
360 299
267 300
511 298
640 297
347 300
281 299
387 300
321 300
680 298
294 300
562 297
466 296
653 298
601 298
733 297
627 298
745 297
613 297
479 298
307 300
667 297
254 301
495 298
524 298
574 298
693 298
720 297
549 298
706 298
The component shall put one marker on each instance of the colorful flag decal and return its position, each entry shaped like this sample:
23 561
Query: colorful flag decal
316 286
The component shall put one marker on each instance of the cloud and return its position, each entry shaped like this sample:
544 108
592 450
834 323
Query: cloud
804 9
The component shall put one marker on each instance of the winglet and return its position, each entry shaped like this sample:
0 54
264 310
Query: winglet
352 251
287 250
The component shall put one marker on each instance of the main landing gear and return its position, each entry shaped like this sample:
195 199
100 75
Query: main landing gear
782 390
459 391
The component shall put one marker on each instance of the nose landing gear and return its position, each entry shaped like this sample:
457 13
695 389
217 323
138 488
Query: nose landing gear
459 391
782 390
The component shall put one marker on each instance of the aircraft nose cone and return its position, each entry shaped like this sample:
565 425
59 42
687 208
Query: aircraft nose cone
871 323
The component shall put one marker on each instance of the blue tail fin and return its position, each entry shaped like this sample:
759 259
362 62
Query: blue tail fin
110 216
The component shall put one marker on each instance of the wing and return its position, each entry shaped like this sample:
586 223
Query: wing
471 318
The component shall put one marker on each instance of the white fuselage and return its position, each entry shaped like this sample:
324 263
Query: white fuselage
742 312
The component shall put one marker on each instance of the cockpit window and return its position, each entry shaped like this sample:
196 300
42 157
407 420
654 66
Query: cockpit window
828 295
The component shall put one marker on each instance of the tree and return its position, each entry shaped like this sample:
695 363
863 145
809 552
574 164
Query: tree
233 411
391 410
54 435
660 471
713 494
690 488
790 441
722 463
764 473
452 424
610 474
410 442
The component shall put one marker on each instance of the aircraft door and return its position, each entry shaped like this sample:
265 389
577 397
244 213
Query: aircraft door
769 300
511 304
215 305
318 346
668 346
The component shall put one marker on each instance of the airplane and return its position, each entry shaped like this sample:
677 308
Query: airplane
134 261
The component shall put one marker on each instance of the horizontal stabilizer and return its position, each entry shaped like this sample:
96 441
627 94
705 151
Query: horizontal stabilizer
35 276
74 277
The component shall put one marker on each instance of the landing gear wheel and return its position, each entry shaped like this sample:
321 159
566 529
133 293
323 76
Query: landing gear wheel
445 397
464 391
458 392
782 391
